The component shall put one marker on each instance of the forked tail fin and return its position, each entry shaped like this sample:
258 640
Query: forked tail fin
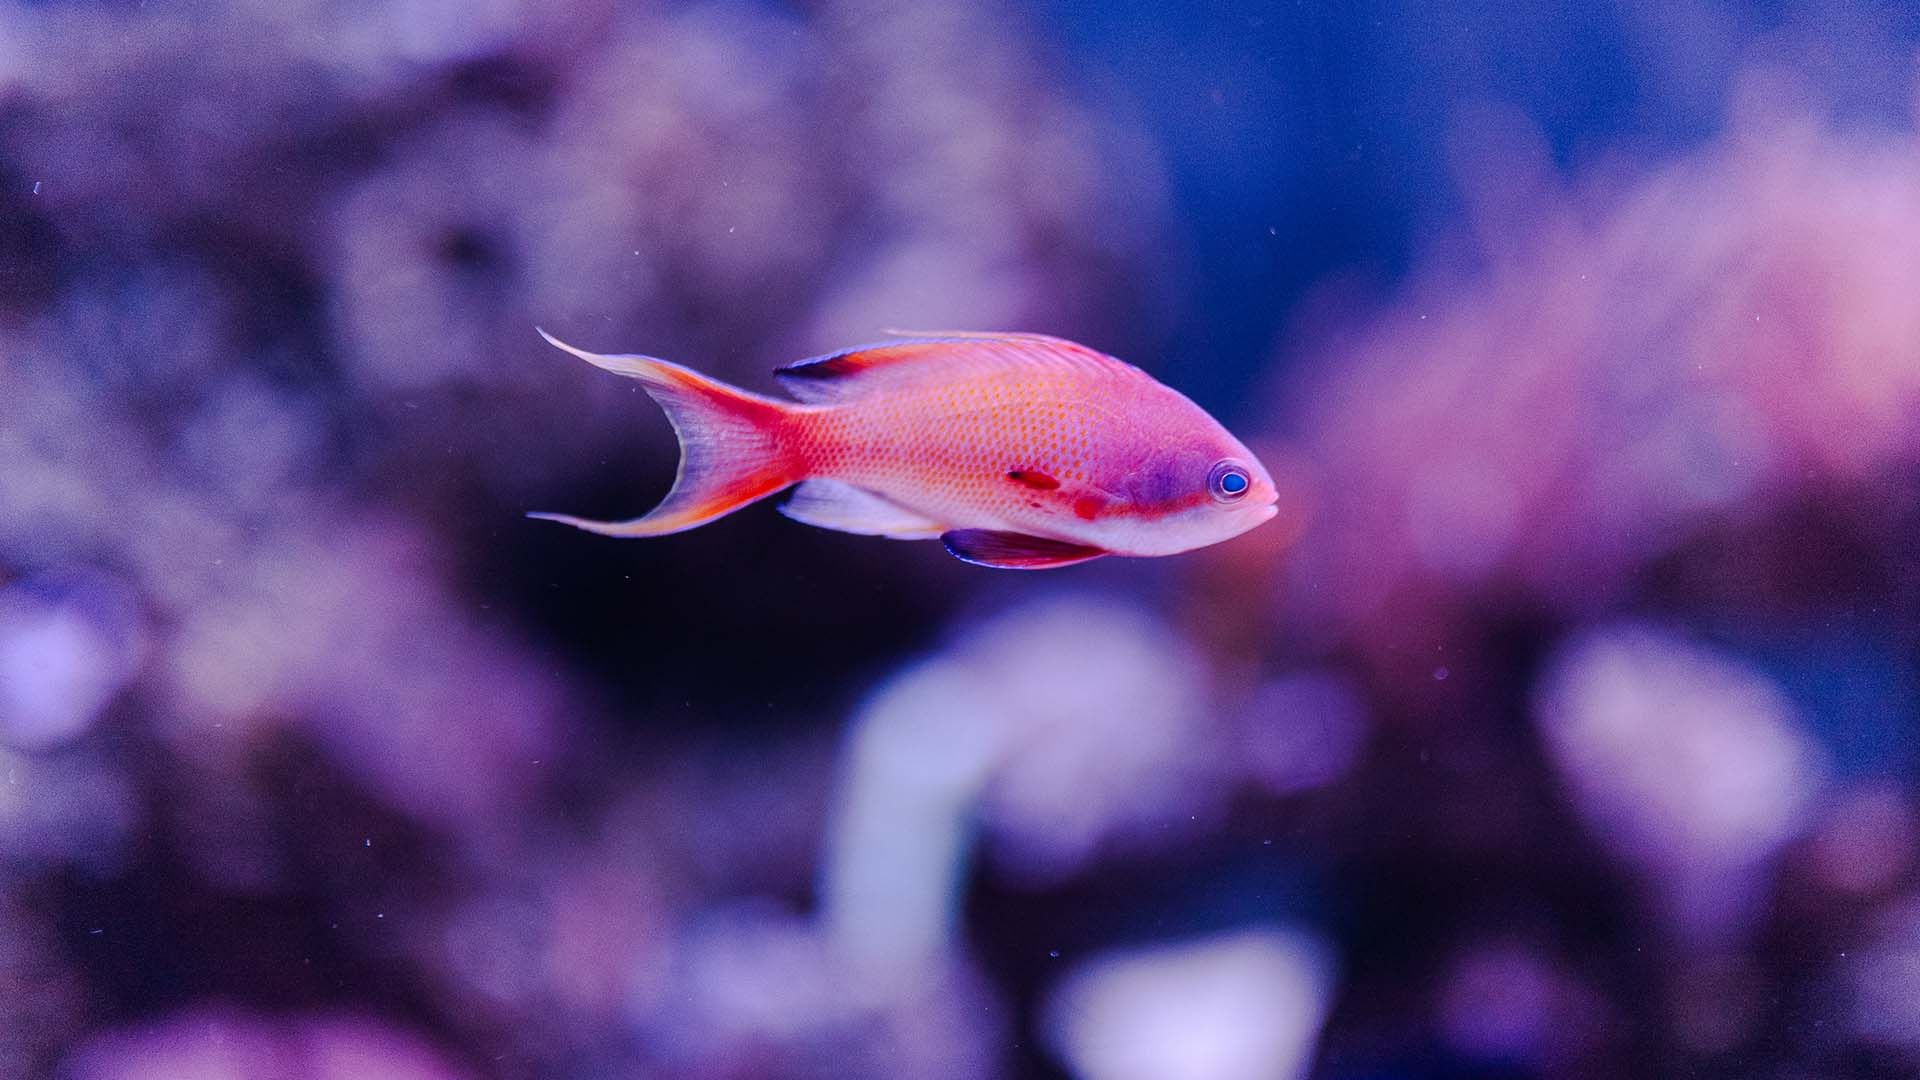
734 446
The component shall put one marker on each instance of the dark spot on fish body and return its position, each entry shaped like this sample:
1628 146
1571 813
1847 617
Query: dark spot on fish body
1033 478
1088 507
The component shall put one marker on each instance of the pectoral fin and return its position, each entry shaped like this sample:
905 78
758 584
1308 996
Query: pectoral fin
1015 551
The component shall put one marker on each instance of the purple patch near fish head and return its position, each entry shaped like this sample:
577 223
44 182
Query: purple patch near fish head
1168 480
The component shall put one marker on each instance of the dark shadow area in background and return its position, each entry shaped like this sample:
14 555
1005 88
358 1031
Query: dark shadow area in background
1307 140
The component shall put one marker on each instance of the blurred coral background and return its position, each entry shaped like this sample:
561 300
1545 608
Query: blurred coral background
1563 726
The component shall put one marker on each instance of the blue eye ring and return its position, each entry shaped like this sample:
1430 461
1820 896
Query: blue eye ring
1229 481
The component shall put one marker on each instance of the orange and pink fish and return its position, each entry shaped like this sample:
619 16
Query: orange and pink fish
1014 450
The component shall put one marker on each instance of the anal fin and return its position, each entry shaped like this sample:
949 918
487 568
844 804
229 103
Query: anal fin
832 504
1015 551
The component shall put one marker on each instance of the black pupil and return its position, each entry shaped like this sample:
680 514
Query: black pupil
1233 483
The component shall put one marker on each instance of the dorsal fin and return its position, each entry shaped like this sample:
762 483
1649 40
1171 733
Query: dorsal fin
854 372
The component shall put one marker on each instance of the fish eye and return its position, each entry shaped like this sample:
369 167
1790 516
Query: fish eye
1229 481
